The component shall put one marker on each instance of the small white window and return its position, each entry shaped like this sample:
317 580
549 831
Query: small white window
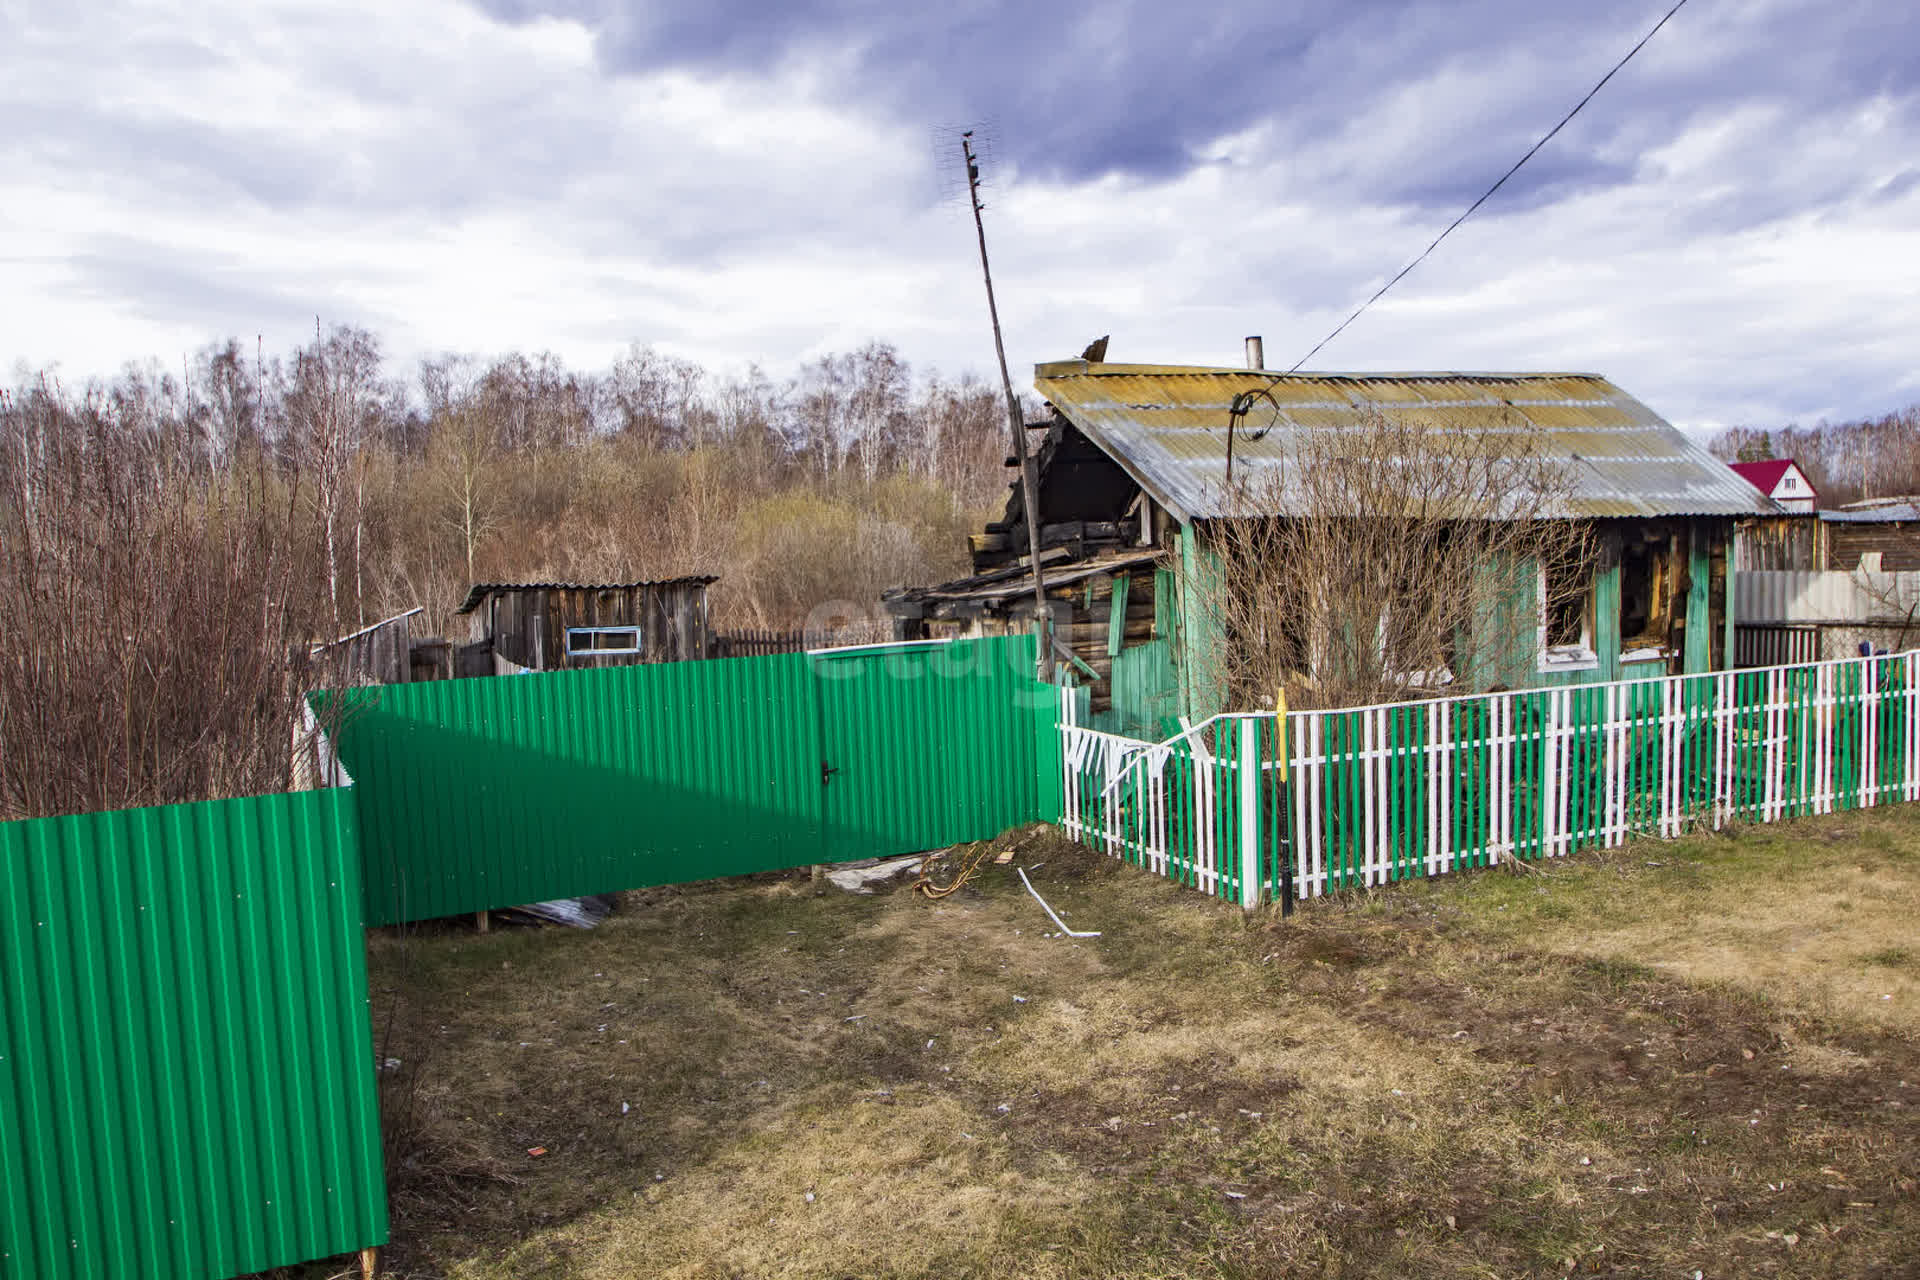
1563 598
594 642
1788 484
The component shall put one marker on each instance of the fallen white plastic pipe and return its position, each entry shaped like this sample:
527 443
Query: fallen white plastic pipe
1071 933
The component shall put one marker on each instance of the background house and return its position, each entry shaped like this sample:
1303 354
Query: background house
1134 496
1782 480
1829 584
551 626
1835 540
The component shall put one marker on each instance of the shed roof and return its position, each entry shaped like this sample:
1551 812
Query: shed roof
1884 513
322 645
481 590
1167 425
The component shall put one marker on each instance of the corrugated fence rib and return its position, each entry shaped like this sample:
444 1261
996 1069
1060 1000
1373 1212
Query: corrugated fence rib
186 1062
1378 794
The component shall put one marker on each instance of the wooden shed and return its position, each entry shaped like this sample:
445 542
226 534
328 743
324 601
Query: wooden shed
377 654
552 626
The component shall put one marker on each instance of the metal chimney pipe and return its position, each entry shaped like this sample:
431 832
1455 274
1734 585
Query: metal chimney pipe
1256 353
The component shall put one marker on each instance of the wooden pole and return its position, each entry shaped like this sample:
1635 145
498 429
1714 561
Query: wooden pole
1029 480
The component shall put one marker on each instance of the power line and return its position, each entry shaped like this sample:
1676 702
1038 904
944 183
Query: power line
1381 292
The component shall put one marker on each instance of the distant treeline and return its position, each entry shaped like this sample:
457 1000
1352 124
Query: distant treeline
172 540
1847 461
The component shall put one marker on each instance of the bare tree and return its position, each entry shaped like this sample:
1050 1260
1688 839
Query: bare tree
331 408
1393 557
654 396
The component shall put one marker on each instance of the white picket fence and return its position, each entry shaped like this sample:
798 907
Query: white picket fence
1371 795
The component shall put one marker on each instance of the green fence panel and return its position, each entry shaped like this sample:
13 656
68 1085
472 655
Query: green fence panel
488 792
186 1061
484 793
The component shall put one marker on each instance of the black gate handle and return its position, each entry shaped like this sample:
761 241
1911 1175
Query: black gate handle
827 771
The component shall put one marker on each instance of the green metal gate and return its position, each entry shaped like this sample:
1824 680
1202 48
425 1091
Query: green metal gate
927 745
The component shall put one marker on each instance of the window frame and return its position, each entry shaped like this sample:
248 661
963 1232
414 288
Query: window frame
1579 656
632 628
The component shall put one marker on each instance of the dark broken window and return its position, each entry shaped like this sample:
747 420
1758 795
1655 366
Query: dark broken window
1636 594
1565 591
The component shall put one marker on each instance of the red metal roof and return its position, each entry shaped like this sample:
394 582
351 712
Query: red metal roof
1766 474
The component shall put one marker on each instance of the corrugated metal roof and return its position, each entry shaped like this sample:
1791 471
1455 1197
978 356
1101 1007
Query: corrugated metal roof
1167 425
481 590
1891 513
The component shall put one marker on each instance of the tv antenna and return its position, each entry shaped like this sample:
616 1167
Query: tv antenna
1016 425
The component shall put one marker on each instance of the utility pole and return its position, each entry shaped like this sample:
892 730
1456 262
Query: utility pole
1029 481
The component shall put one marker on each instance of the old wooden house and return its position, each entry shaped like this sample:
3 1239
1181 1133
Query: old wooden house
1132 490
1885 530
552 626
1829 584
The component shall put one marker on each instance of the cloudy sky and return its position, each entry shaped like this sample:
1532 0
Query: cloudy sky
1731 230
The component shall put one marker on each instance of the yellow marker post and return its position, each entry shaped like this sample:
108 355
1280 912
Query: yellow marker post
1280 728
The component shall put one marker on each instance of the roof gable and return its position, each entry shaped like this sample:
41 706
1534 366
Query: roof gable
1766 474
1167 425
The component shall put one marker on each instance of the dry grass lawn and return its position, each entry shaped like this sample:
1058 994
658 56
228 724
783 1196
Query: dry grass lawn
1694 1057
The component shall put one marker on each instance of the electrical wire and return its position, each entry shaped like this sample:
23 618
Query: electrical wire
1381 292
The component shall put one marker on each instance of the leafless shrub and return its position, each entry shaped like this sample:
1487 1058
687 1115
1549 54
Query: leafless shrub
153 616
1392 558
1890 597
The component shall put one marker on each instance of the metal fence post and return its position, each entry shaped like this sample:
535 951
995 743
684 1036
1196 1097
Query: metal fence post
1249 764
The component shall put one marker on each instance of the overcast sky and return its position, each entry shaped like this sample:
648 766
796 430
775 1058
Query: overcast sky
1731 230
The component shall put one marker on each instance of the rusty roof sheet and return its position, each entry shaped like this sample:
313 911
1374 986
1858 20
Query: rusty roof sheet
1167 425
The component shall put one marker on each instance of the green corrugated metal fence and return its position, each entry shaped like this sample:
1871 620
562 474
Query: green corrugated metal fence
186 1062
484 793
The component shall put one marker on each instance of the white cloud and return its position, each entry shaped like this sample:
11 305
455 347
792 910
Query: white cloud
193 171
